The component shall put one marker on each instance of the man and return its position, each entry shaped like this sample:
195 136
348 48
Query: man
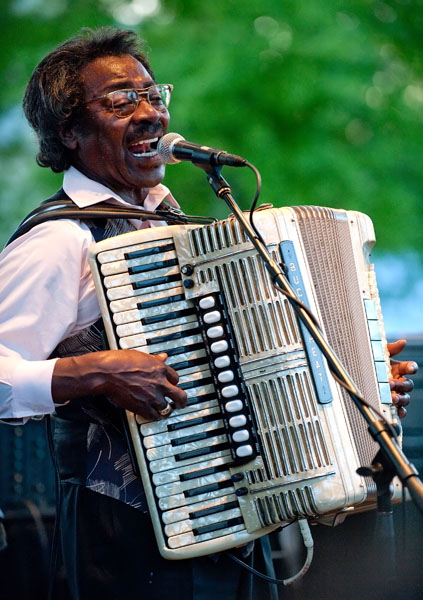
98 114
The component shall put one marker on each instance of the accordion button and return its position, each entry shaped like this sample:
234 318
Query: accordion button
207 302
226 376
220 346
229 391
222 361
212 317
243 451
215 332
241 436
237 421
234 406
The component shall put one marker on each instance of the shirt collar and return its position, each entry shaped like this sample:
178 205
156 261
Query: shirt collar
87 192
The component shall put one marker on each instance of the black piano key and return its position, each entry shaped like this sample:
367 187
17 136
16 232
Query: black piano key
177 335
212 487
139 285
196 437
201 451
160 301
187 364
176 314
202 472
181 349
191 422
200 399
193 384
212 510
217 526
149 251
160 264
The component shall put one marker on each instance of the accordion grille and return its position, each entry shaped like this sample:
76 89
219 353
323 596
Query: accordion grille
290 431
330 256
284 506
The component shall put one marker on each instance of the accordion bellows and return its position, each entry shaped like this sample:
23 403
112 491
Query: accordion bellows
268 436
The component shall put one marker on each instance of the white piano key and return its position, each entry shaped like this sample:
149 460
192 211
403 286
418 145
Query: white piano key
119 253
127 303
163 327
164 451
154 311
179 500
161 426
169 463
122 266
178 541
186 525
178 487
163 478
113 281
140 339
162 439
178 514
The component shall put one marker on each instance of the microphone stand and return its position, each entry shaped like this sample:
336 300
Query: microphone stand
390 459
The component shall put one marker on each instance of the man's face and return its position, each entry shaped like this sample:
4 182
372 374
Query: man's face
112 150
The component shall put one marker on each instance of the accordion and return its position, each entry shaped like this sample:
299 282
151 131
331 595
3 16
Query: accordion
268 435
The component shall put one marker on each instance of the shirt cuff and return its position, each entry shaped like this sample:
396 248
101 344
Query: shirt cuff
32 388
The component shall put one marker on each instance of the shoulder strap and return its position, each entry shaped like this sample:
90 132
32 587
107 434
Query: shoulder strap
60 206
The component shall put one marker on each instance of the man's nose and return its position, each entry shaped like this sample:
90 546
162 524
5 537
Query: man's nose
146 112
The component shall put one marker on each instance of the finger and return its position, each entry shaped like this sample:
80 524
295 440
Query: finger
179 397
402 386
401 412
395 348
172 375
161 356
400 400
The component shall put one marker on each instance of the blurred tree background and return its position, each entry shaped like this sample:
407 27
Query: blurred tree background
326 99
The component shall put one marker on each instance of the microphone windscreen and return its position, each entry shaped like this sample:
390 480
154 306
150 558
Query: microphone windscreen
164 147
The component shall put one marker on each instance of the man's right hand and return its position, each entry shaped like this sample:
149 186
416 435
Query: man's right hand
133 380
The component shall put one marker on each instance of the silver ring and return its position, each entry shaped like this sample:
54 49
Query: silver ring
166 410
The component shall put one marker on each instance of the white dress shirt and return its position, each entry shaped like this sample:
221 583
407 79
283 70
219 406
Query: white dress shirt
47 295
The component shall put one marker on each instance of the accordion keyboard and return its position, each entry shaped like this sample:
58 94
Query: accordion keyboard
189 453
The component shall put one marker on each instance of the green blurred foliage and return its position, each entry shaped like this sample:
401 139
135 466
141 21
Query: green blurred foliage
326 99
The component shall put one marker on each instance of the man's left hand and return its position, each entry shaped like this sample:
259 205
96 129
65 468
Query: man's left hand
401 386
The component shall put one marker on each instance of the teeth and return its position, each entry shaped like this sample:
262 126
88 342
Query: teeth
144 142
152 153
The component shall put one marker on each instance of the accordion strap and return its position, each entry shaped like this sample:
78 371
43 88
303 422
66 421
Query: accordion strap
60 206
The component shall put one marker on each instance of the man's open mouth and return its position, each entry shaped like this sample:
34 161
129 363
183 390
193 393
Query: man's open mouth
142 148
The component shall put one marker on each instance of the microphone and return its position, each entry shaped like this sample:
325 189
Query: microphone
173 148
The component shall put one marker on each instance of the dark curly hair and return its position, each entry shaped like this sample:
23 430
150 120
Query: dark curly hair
54 97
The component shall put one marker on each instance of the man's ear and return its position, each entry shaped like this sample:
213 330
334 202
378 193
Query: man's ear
69 138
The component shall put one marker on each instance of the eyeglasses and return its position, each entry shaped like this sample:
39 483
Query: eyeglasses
125 102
